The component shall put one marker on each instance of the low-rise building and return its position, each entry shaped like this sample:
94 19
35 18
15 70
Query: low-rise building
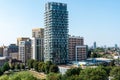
4 60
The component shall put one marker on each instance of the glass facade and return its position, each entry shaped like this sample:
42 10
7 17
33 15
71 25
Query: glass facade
56 33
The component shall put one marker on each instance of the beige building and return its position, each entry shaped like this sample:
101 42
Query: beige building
37 44
14 55
76 53
21 39
38 33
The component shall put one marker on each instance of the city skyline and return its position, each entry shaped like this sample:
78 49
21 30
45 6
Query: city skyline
94 20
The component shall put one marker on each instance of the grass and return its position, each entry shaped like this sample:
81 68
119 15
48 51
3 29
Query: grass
38 75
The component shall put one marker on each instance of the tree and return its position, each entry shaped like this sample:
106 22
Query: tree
5 67
41 66
35 65
106 68
93 55
12 67
54 68
115 73
47 66
74 77
22 66
93 74
30 63
73 71
17 66
112 63
1 71
89 53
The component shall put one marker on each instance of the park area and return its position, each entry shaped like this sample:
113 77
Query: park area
23 75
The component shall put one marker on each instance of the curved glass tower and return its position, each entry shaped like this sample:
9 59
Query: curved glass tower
56 33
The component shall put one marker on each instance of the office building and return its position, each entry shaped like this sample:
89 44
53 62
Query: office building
56 33
25 50
37 44
77 49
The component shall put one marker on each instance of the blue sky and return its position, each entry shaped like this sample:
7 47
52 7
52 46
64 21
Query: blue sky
95 20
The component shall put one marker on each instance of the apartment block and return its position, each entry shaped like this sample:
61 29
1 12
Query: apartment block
37 44
25 50
77 49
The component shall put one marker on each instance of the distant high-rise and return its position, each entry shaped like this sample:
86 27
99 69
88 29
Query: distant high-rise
94 45
37 44
56 33
116 46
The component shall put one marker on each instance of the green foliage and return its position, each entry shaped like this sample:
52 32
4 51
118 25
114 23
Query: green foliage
93 74
107 69
115 73
12 67
112 63
30 63
93 55
73 71
54 76
17 66
41 67
4 77
75 77
99 50
5 67
35 65
18 76
89 54
1 72
54 68
22 66
47 66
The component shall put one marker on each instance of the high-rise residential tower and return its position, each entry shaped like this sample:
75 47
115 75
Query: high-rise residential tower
37 44
56 33
94 45
25 50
